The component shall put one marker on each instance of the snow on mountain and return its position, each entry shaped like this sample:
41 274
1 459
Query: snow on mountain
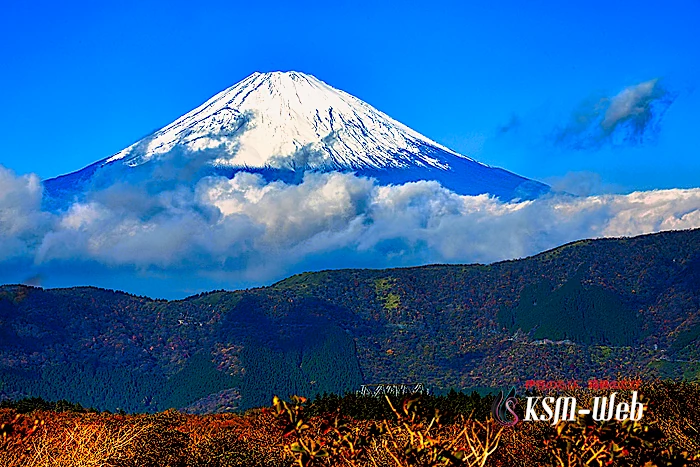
291 121
286 113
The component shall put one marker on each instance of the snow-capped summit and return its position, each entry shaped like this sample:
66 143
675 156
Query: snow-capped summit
284 114
289 121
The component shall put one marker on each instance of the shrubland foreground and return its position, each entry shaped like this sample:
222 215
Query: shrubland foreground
352 431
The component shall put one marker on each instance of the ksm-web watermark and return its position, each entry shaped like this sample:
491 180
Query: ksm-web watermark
566 408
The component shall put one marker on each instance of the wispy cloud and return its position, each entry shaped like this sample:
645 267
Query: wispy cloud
629 118
512 125
582 183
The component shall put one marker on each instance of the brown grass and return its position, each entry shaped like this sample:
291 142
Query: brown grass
283 436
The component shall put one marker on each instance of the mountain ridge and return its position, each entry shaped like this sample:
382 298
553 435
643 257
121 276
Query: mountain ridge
632 305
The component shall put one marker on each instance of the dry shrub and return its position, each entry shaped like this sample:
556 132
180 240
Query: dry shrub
71 440
284 435
167 439
410 440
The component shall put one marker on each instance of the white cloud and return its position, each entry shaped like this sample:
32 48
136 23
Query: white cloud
633 103
630 117
248 229
21 219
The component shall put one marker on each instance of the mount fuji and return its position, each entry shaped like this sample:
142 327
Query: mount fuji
282 124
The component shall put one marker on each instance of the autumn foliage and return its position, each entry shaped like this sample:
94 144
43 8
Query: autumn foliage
292 433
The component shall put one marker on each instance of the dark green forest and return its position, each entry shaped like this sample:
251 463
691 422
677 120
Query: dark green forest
606 309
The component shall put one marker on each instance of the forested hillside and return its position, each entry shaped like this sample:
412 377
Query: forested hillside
607 308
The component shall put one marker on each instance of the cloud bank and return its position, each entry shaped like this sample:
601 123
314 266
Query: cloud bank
21 219
628 118
247 229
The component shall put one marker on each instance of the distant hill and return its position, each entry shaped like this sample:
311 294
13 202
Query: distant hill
606 308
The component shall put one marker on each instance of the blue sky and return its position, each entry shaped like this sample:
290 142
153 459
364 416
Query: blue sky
82 80
593 98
